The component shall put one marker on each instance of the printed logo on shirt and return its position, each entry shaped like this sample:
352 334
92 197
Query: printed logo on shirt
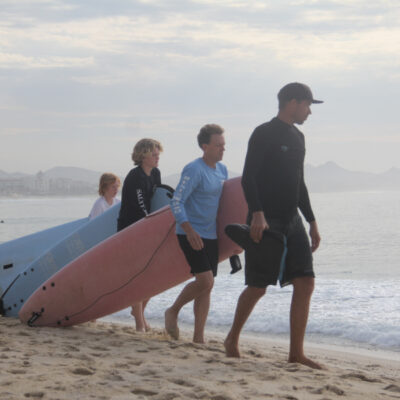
139 194
178 195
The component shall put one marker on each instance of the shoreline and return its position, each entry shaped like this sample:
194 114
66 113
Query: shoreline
311 341
107 360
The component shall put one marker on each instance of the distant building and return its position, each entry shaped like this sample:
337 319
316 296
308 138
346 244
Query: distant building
40 185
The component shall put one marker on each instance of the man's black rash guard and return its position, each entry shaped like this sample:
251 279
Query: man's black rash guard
137 190
273 175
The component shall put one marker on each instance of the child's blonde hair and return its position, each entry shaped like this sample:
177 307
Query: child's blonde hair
107 179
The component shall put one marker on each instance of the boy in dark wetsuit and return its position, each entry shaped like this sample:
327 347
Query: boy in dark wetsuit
137 191
273 184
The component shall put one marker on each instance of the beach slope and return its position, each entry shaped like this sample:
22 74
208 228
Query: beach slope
111 361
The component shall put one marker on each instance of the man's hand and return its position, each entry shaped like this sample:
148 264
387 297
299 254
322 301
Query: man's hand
258 226
315 237
192 236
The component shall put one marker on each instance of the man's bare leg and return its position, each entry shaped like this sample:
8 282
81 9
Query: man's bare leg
203 282
200 307
247 300
302 291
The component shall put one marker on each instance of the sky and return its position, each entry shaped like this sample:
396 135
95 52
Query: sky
82 80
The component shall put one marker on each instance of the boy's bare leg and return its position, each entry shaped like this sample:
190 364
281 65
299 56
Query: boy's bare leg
137 313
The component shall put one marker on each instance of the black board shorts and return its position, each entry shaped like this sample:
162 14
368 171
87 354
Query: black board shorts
202 260
298 261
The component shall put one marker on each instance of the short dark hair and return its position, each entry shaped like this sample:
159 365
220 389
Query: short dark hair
207 131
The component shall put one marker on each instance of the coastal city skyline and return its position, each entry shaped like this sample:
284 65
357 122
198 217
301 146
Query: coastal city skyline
82 81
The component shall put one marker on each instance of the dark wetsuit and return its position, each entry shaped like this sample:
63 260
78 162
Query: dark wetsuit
273 179
137 190
273 182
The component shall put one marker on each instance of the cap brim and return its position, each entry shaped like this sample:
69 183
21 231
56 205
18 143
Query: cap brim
316 101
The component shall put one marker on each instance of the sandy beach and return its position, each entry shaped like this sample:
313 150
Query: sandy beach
111 361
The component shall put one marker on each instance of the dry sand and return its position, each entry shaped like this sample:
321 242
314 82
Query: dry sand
111 361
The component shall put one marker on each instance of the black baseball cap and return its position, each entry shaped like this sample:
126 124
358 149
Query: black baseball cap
297 91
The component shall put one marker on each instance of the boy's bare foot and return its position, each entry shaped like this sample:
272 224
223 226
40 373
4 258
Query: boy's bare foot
231 349
171 324
147 327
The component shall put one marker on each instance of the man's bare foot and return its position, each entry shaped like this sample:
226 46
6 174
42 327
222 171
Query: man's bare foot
231 349
305 361
171 324
199 339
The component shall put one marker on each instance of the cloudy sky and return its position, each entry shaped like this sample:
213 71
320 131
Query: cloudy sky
82 80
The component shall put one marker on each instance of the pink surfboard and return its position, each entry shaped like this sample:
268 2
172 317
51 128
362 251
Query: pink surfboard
139 262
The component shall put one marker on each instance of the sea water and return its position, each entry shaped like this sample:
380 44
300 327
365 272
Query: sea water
356 301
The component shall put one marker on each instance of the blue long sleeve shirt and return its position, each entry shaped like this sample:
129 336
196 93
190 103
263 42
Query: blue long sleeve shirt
196 197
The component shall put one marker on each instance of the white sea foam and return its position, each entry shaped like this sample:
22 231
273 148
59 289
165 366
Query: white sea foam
342 310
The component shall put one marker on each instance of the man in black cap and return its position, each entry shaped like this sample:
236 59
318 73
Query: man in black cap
273 184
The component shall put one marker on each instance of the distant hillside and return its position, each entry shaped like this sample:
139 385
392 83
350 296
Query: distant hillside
73 173
330 177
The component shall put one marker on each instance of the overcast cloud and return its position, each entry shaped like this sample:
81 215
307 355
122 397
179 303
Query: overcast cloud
82 81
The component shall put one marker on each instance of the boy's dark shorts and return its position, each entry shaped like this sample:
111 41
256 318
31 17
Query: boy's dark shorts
202 260
299 261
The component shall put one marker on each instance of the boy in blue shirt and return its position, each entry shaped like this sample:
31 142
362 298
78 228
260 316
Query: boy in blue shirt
195 207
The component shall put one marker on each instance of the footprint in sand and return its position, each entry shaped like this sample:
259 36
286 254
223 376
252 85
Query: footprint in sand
82 371
182 382
362 377
99 348
71 348
144 392
393 388
121 365
142 351
17 372
23 333
328 388
35 395
221 397
114 377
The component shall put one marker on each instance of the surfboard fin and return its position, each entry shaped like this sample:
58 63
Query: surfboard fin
35 316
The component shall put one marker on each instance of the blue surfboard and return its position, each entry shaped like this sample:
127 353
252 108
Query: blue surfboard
161 197
17 254
71 247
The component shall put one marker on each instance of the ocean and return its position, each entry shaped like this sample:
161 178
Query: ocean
356 302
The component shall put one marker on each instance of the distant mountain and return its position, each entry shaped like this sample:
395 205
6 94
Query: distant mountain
328 177
331 177
73 173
